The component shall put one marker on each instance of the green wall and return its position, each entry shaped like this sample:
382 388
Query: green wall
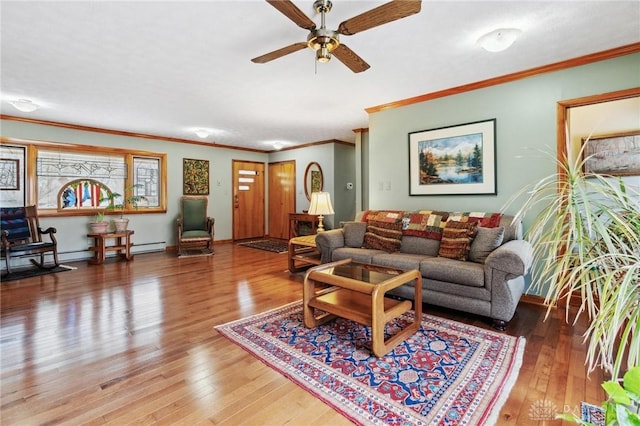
525 111
152 231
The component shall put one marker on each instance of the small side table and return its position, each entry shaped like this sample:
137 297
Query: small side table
100 247
303 250
294 223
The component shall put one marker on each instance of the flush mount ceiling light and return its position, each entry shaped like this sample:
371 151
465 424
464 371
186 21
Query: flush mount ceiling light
24 105
499 40
202 133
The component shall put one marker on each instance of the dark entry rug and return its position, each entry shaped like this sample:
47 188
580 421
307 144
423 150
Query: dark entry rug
196 252
20 274
275 246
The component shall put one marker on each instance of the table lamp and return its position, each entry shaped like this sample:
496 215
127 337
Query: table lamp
320 206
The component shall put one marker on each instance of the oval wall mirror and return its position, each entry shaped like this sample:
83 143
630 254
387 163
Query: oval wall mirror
312 179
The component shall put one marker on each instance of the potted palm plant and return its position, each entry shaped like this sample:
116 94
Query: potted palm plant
98 225
117 203
586 239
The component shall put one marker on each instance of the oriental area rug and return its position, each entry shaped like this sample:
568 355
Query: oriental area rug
447 373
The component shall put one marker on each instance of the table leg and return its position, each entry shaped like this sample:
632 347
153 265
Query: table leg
381 347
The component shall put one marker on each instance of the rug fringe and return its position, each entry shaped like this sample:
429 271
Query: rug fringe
509 383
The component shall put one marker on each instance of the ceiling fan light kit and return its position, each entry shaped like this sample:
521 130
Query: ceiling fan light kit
326 42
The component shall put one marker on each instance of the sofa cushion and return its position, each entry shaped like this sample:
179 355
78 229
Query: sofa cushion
485 241
360 255
419 245
383 236
454 271
456 239
403 261
354 233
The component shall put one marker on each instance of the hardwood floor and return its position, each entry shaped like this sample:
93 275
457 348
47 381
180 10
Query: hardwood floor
133 342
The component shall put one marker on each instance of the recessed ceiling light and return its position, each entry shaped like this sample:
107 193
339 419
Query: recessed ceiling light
24 105
499 40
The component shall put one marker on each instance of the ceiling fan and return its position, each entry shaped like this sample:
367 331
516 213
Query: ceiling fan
327 42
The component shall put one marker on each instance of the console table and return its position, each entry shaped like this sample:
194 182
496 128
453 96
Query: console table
122 245
294 223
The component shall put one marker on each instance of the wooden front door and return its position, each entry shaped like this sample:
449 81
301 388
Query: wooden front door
248 200
282 197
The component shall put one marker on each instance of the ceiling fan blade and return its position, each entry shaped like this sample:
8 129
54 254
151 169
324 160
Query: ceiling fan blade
292 12
388 12
279 53
348 57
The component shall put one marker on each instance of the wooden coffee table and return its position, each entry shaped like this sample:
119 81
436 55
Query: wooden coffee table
357 292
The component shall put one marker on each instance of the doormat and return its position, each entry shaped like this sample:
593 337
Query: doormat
275 246
447 373
20 274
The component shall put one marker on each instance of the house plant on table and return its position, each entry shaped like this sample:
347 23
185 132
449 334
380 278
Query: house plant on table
586 239
117 203
98 225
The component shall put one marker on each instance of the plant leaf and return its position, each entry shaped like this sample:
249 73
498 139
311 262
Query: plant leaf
616 393
632 382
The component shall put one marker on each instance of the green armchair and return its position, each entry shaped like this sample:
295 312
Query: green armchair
195 228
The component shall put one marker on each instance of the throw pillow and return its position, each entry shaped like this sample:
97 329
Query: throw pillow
486 241
354 233
456 239
385 236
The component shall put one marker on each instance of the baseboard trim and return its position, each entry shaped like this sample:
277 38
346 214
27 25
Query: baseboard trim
533 299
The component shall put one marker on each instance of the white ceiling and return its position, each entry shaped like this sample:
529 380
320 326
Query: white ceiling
164 68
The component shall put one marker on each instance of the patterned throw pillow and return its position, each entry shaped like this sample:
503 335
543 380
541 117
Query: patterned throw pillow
456 239
385 236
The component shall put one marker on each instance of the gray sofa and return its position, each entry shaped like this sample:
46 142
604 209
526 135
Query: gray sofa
489 283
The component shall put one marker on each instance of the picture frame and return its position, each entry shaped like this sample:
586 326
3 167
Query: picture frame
454 160
195 177
615 154
313 179
9 174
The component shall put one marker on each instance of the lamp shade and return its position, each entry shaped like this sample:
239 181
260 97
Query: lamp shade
320 204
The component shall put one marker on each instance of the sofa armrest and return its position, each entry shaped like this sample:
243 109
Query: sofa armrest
328 241
513 257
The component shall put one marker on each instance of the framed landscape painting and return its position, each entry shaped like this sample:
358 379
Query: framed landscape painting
454 160
615 155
